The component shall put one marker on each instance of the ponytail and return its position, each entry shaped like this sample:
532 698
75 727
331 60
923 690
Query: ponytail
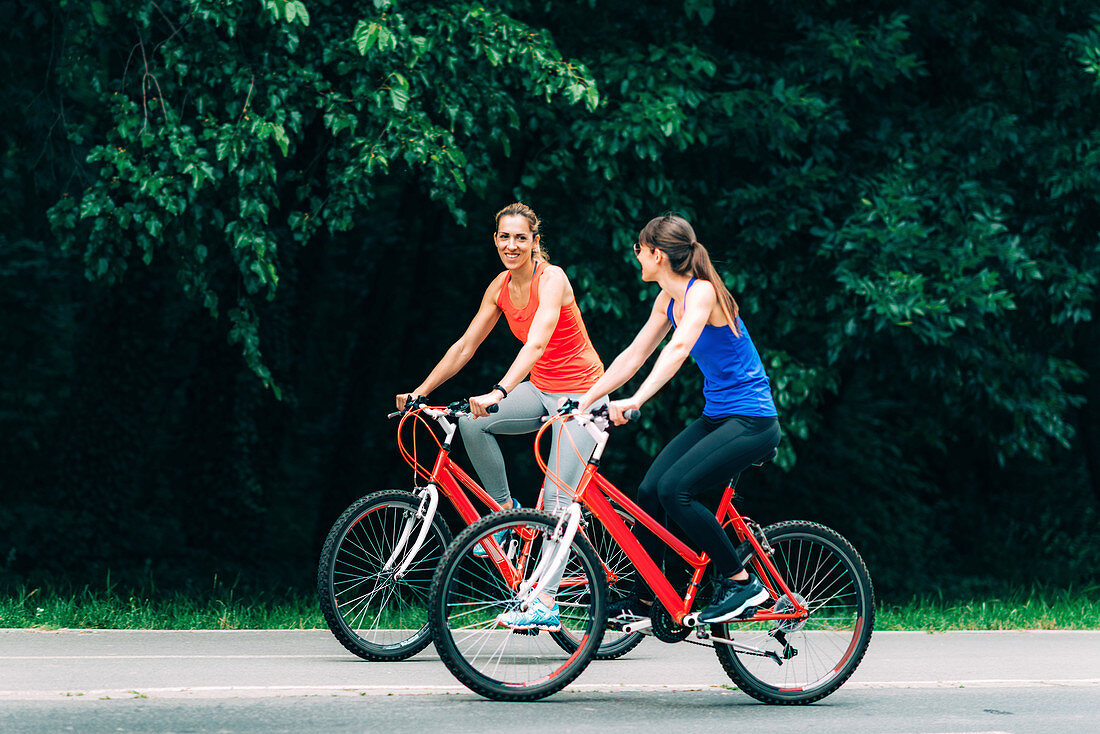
703 269
672 235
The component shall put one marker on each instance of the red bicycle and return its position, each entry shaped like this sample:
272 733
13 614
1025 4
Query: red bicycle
796 648
377 561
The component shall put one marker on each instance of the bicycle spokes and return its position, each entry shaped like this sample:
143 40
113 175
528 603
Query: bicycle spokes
804 658
372 584
482 622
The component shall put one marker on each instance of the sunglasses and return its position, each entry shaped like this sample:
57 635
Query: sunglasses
637 248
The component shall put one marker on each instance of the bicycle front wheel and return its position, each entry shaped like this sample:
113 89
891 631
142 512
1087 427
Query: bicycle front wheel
801 661
371 610
474 587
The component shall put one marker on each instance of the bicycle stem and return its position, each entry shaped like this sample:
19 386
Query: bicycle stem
441 418
598 434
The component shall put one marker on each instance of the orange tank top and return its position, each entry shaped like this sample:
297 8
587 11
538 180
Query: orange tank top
570 362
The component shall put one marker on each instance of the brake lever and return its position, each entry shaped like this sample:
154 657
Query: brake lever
410 404
463 406
568 406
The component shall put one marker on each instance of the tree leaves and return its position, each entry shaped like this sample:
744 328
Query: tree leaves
903 200
366 35
291 11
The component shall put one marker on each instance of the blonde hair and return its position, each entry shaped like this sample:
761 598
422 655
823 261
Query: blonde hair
519 209
672 235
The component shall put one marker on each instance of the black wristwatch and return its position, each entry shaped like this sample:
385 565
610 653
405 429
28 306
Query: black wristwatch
502 390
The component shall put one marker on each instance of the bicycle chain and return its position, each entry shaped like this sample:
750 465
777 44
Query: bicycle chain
762 653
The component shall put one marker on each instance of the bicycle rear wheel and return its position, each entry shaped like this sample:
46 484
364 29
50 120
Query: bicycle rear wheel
621 577
801 661
370 611
469 592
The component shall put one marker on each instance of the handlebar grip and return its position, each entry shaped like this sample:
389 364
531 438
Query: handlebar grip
463 406
410 404
632 415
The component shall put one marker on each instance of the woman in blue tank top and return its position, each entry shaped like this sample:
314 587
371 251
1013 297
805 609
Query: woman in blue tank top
738 427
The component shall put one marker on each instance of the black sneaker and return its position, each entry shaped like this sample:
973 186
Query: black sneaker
731 600
626 610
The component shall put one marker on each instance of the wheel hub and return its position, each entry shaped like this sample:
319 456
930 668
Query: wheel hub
785 606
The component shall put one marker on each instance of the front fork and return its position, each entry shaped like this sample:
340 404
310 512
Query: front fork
425 513
550 563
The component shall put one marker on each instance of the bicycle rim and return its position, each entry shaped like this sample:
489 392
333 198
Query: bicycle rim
827 575
469 594
373 613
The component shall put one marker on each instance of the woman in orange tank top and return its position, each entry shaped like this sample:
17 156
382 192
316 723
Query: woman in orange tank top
537 300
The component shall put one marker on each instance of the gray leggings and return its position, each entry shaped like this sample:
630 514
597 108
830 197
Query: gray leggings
522 412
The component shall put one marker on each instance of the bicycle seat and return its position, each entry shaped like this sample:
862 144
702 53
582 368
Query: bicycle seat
766 460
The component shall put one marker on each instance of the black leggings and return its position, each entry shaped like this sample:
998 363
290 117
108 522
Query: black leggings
700 460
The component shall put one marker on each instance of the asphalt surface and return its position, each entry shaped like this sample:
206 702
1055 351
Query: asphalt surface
274 681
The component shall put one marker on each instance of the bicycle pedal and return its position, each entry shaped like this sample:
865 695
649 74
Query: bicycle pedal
531 631
748 613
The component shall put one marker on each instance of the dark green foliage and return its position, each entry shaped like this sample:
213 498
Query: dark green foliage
234 230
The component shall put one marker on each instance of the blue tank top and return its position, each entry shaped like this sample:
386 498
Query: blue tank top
734 381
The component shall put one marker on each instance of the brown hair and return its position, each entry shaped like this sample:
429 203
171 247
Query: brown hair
519 209
672 235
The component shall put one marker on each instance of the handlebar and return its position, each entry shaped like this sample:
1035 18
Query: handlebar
596 423
462 407
454 410
569 407
410 405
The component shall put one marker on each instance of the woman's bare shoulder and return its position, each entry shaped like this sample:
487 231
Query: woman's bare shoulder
555 272
492 292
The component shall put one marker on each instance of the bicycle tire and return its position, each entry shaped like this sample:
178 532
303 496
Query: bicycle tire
826 571
621 577
371 613
469 593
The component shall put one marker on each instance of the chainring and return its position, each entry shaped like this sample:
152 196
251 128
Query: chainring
664 626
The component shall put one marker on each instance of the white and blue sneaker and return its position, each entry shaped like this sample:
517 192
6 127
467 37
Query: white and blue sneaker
537 617
501 536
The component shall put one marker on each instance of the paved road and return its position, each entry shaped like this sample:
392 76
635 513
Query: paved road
304 681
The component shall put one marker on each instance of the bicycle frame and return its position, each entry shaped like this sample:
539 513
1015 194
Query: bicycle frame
446 477
449 479
802 639
596 493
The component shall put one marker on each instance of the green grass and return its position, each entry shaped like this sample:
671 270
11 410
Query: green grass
1025 609
230 608
223 609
